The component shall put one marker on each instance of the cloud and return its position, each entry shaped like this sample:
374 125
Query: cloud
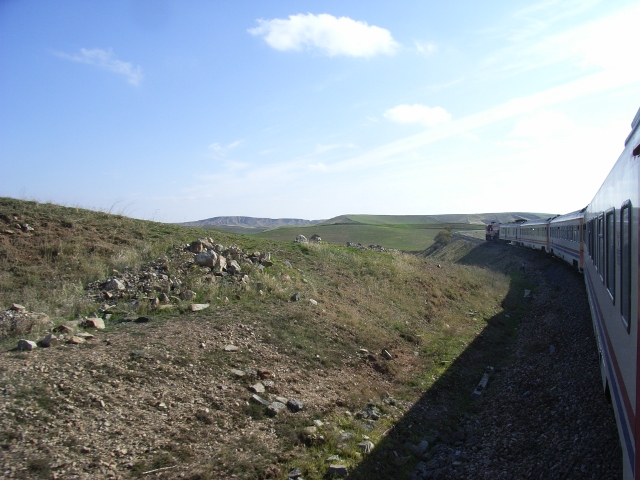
426 49
418 114
106 60
543 125
222 150
318 167
326 34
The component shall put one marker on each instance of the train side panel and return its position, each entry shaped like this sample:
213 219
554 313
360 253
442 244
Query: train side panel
612 222
565 238
535 234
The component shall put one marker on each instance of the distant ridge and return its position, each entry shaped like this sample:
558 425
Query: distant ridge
469 219
250 222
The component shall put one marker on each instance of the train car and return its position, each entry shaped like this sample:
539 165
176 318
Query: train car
535 234
565 238
492 232
510 232
611 275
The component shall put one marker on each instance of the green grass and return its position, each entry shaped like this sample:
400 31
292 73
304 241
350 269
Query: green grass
405 237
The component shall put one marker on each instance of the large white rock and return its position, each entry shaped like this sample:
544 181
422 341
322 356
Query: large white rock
206 259
26 345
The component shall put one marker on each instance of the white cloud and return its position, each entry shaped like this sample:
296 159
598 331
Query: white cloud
318 167
418 114
543 125
222 150
426 49
326 34
106 60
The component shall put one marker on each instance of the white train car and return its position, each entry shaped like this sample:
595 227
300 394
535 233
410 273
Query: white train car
510 232
535 234
611 276
565 238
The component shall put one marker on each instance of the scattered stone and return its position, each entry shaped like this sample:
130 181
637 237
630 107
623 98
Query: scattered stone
197 307
421 448
295 297
295 405
142 320
366 446
268 383
310 430
282 400
338 471
238 373
188 295
312 301
260 400
48 341
295 474
26 345
114 285
63 329
387 355
315 238
85 335
16 307
257 388
231 348
332 459
76 340
275 408
161 406
94 323
264 374
301 239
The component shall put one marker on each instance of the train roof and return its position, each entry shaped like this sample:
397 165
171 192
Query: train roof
539 221
569 216
634 125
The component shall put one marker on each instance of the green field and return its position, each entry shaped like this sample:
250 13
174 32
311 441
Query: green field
407 237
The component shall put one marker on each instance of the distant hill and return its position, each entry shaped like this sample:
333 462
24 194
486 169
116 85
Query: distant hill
469 219
249 224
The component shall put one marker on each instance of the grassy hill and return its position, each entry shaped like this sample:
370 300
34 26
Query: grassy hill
164 392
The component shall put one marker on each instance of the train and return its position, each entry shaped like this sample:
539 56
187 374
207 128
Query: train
601 241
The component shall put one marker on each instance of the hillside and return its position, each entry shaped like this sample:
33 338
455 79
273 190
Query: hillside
468 219
358 357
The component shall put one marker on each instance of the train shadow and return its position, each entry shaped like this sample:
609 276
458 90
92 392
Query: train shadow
442 414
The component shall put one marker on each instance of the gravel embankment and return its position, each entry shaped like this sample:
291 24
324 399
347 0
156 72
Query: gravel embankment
545 415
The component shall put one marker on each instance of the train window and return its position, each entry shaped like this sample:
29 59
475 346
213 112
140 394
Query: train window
610 262
625 263
600 254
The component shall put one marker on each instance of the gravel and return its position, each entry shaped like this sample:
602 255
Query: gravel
545 415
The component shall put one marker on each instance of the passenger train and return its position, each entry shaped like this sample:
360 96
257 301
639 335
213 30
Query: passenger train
602 241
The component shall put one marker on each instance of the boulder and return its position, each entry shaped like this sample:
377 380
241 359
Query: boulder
301 239
26 345
48 341
196 307
188 295
94 323
206 259
114 285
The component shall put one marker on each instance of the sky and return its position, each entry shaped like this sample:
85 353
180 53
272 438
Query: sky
184 110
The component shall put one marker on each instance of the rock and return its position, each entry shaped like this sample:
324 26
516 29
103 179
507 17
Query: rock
188 295
264 374
285 278
332 459
301 239
310 430
238 373
295 473
313 302
142 320
85 335
114 285
94 323
366 446
26 345
16 307
260 400
315 238
76 340
338 470
231 348
282 400
295 405
275 408
64 329
196 247
206 259
421 448
197 307
387 355
233 267
257 388
221 264
295 297
48 341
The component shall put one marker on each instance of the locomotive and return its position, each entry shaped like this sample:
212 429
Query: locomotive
601 241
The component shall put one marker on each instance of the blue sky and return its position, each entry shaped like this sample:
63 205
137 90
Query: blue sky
177 111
